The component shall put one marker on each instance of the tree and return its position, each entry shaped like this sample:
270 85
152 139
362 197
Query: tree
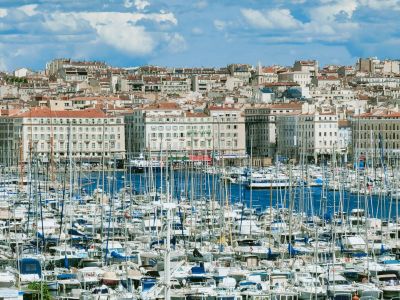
36 286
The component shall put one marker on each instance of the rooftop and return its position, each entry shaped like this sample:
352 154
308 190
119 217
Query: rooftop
45 112
162 105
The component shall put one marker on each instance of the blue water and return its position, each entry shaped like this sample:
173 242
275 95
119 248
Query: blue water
311 201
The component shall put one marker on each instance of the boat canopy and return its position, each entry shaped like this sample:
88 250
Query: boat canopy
30 266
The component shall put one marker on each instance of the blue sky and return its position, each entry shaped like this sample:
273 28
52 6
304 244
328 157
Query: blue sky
197 32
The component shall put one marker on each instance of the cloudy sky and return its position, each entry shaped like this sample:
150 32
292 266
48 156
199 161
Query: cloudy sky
197 32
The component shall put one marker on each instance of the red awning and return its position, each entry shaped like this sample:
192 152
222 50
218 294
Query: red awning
200 158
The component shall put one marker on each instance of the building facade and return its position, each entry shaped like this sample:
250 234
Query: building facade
308 135
89 135
164 129
303 78
376 133
261 136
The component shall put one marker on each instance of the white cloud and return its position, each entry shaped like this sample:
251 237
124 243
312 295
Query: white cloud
64 23
141 4
381 4
96 18
117 29
120 30
197 30
176 43
271 19
331 21
219 24
329 12
128 3
3 12
130 39
29 10
201 4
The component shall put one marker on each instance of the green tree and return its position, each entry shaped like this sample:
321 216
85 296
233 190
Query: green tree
35 286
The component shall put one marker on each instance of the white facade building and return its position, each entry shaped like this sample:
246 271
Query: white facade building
344 135
22 72
165 128
308 134
89 134
303 78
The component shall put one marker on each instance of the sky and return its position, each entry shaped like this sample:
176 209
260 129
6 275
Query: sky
189 33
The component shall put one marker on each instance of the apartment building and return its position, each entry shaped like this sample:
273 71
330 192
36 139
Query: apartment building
205 83
165 128
88 134
260 120
311 135
265 75
368 65
228 133
344 135
57 66
310 66
72 74
376 132
175 85
377 80
303 78
326 81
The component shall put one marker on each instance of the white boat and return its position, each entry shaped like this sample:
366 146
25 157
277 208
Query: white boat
7 279
267 181
390 285
336 284
309 288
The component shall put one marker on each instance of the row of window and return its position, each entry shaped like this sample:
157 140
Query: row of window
78 154
189 127
74 129
98 137
385 135
78 146
195 143
74 120
380 127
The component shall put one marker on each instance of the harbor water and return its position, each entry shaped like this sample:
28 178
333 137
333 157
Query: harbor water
313 201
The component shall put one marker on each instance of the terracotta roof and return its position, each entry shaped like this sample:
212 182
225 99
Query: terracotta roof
380 114
292 105
8 112
343 123
94 98
363 97
196 115
45 112
328 113
222 108
269 70
162 105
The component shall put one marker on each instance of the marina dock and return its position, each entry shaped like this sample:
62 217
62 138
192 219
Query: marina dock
303 232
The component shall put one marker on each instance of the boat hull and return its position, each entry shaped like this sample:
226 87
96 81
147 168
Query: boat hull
266 186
